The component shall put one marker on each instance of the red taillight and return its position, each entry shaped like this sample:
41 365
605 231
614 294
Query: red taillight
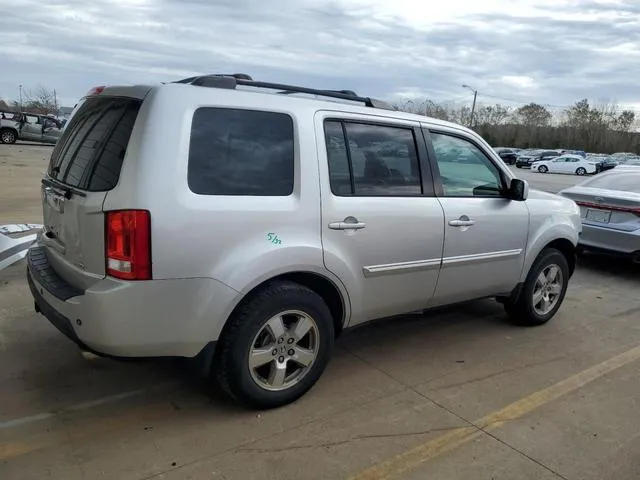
609 207
128 244
95 90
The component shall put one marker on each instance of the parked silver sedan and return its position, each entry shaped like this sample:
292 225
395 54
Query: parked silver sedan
610 210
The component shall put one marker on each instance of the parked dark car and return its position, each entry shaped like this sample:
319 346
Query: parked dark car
507 155
606 163
525 160
582 153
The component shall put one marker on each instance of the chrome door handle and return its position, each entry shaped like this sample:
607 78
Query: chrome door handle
461 223
349 223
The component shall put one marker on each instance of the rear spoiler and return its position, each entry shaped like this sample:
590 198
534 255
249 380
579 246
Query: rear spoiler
133 91
15 240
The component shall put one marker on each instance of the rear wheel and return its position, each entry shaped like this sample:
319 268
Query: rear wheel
276 346
8 136
543 290
581 171
542 169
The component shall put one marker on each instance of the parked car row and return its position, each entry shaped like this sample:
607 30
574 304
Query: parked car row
576 162
30 127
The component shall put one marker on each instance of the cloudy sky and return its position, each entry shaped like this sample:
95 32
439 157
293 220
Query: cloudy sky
549 51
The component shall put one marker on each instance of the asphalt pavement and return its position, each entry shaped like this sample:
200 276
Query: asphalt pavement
456 394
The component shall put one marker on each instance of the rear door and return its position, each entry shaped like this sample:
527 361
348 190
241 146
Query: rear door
84 166
51 130
382 227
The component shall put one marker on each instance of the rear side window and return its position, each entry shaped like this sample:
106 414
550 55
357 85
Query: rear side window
90 152
241 152
372 160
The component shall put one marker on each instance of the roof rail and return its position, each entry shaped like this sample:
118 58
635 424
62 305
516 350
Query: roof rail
231 81
190 80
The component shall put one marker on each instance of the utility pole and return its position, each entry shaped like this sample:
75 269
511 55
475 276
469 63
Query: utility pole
473 107
55 103
20 98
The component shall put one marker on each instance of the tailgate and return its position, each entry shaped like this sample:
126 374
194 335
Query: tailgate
84 166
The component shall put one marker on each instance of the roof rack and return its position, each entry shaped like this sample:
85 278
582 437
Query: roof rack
231 81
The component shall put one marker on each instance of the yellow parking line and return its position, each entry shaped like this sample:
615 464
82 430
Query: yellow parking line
413 458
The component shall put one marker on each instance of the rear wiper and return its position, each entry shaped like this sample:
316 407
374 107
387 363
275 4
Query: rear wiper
66 189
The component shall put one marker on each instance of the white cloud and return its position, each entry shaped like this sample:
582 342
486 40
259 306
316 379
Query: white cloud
549 51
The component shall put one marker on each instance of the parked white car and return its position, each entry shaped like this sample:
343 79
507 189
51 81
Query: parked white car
574 164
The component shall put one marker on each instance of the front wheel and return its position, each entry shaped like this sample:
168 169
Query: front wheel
581 171
543 290
276 346
542 169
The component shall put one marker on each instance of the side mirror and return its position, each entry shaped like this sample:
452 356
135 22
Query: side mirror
518 190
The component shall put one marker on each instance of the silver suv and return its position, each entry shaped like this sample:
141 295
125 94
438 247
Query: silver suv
247 224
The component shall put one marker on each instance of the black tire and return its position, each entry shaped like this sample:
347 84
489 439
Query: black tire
581 171
518 166
231 362
522 311
542 169
8 136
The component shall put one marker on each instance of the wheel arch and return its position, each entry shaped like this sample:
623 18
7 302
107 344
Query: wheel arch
567 248
335 297
563 244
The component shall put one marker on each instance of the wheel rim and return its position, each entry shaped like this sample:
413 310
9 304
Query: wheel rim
284 350
580 171
542 169
7 137
547 289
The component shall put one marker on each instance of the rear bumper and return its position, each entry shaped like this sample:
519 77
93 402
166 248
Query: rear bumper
155 318
608 239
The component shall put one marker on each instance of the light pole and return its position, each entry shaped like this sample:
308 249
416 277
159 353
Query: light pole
473 107
20 98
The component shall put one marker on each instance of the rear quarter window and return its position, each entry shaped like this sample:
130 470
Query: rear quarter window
241 152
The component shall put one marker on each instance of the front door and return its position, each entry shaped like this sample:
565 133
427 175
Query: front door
382 228
485 233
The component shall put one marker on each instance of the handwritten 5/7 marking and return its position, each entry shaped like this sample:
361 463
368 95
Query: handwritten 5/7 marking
273 238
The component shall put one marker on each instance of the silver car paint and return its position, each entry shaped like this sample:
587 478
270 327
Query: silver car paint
391 265
208 252
622 233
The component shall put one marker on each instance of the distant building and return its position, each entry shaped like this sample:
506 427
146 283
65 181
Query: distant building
64 112
5 107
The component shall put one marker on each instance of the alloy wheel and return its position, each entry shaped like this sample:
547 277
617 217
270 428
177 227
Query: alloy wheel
547 289
284 350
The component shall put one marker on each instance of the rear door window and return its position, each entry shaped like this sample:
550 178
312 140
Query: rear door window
241 152
89 155
372 160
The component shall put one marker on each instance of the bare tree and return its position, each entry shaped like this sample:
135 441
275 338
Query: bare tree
40 100
602 128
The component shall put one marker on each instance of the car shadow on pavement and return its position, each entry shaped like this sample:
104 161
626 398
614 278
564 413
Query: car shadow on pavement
620 267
